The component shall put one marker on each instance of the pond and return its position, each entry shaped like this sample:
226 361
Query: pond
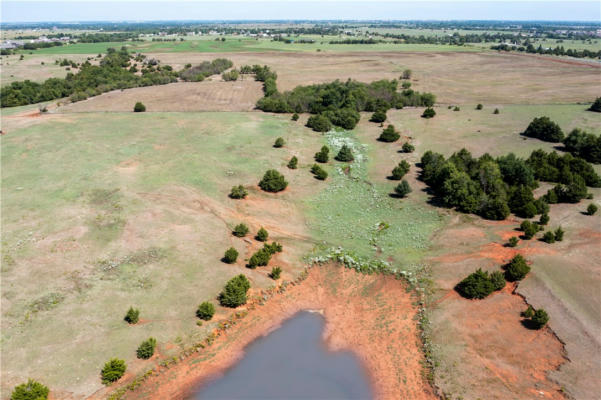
292 362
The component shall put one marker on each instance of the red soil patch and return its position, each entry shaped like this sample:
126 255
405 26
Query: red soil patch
372 315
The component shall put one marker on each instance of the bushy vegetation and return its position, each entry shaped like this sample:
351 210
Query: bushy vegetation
584 145
400 171
517 269
132 316
230 75
323 155
279 142
591 209
539 319
408 147
319 172
262 235
112 371
238 192
319 123
402 189
234 293
479 106
559 234
480 284
31 390
295 117
146 348
293 163
275 273
91 80
240 230
260 258
345 154
139 107
530 229
389 135
205 311
273 181
230 256
378 116
273 248
544 129
549 237
596 106
429 113
205 69
513 241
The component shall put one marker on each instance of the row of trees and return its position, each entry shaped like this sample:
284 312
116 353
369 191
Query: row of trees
205 69
557 51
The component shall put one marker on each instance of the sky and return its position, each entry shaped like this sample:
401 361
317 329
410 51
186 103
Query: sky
138 10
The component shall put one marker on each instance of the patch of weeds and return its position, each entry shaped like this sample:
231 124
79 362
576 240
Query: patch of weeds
106 227
7 262
138 258
105 198
46 302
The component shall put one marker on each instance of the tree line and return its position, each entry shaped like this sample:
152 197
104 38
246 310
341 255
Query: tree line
556 51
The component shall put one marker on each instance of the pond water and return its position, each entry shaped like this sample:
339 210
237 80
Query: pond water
292 362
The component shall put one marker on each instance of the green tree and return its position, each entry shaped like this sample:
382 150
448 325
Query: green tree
529 229
544 219
230 256
513 241
559 234
112 371
319 123
498 280
32 390
319 172
295 117
476 285
146 348
456 109
322 156
234 292
293 163
539 319
408 147
378 116
429 113
529 313
262 235
389 135
240 230
279 142
345 154
402 189
596 106
407 74
517 269
238 192
205 311
591 209
400 171
479 106
275 273
544 129
273 181
260 258
496 111
273 248
139 107
549 237
132 316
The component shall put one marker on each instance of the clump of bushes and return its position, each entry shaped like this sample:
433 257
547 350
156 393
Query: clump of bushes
345 154
408 147
544 219
544 129
429 113
139 107
513 241
206 69
295 117
539 319
530 229
323 155
559 234
230 75
456 108
230 256
238 192
480 284
112 371
591 209
596 106
273 181
389 135
273 248
293 163
319 123
517 269
240 230
132 316
275 273
279 142
146 348
31 390
262 235
319 172
479 107
260 258
583 144
234 293
378 116
496 111
402 189
205 311
400 171
549 237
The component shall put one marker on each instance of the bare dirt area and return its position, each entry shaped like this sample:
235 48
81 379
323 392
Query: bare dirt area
210 95
455 78
371 315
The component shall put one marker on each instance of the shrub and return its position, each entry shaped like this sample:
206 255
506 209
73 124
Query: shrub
132 316
319 123
596 106
238 192
345 154
234 293
479 107
230 75
240 230
378 116
513 241
406 74
517 269
456 109
429 113
389 135
544 219
146 348
262 235
408 147
273 248
402 189
295 117
322 156
319 172
275 273
230 256
529 313
139 107
205 311
496 111
549 237
406 85
112 371
260 258
477 285
529 229
591 209
544 129
293 163
273 181
400 171
559 234
279 142
498 280
539 319
32 390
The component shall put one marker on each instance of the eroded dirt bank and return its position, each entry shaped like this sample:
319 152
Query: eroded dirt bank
371 315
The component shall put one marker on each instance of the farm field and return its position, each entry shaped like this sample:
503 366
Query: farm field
106 209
